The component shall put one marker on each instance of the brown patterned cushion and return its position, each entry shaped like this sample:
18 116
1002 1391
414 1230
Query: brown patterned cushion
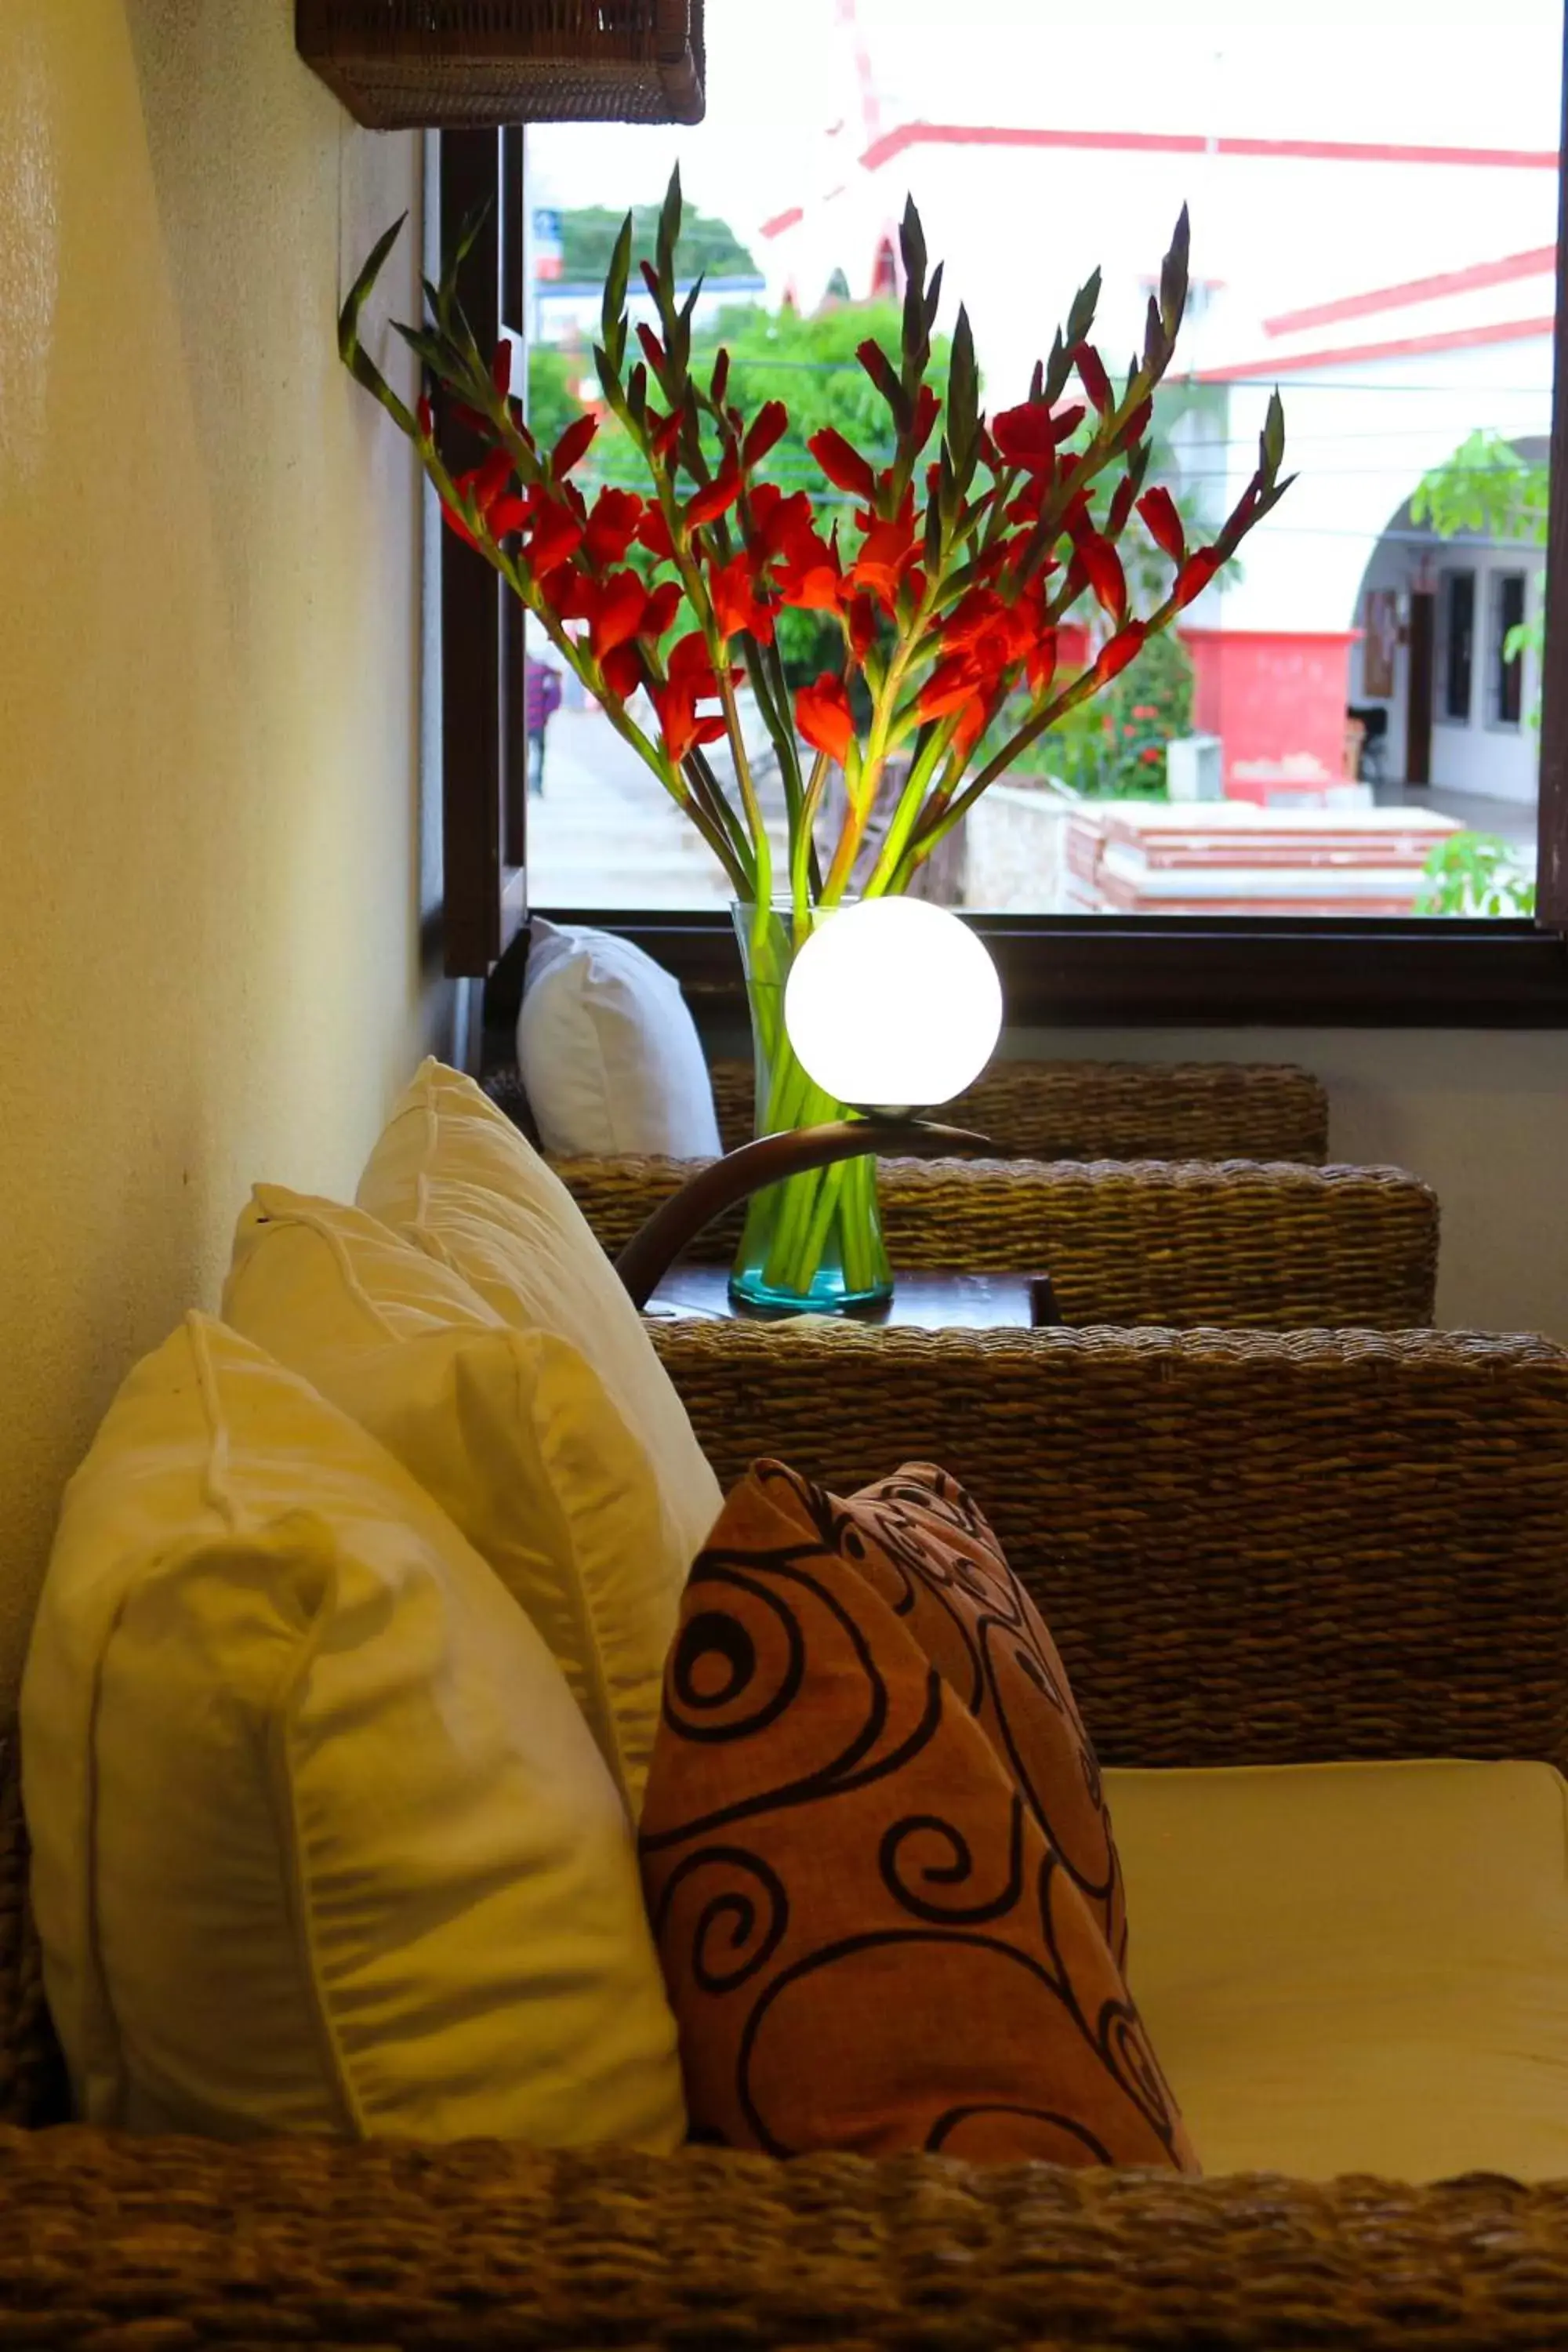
922 1541
868 1938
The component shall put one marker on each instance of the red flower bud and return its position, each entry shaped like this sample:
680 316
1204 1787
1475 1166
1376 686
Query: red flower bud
1195 575
659 612
843 466
653 349
1102 567
769 426
1092 376
500 368
1122 648
1164 524
573 445
823 715
951 685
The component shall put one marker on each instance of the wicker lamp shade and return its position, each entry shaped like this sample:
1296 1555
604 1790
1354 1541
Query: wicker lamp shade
469 65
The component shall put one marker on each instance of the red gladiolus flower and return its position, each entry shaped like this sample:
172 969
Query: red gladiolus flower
776 521
556 536
653 349
1122 648
862 622
715 498
886 555
769 426
663 433
573 595
823 715
812 580
1164 524
1092 376
618 612
970 618
1026 436
973 720
659 612
682 729
737 606
928 408
506 516
843 466
1136 426
573 445
612 525
951 685
690 664
1103 569
653 533
1195 575
1241 513
454 523
1041 666
621 671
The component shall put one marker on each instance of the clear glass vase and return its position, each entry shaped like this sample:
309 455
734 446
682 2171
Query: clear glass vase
812 1244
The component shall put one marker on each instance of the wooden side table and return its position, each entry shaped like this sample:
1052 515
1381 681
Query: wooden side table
929 1299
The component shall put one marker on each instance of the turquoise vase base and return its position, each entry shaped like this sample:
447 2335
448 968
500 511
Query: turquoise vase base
828 1293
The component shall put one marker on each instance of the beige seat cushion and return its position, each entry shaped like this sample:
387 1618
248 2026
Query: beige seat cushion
1356 1967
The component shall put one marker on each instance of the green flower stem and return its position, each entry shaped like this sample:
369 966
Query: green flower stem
818 1226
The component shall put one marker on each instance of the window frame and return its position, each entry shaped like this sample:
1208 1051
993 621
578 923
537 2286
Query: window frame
1057 971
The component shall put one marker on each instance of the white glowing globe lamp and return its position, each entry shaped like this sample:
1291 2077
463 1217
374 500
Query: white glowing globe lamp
893 1004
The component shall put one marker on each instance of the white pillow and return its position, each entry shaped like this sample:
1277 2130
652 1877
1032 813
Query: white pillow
320 1840
608 1052
510 1431
452 1175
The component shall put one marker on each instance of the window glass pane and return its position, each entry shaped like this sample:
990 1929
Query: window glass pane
1506 677
1347 722
1459 642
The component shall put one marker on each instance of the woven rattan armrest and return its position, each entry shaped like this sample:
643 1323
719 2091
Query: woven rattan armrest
1264 1546
126 2243
1113 1110
1249 1244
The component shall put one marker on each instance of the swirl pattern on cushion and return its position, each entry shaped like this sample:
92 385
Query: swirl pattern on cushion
922 1541
869 1940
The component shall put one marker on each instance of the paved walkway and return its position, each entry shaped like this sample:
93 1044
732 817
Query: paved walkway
605 832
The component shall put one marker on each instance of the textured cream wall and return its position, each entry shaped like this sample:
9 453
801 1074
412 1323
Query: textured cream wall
1482 1115
208 705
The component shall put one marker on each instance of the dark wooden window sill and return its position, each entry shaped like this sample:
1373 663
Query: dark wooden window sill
1179 970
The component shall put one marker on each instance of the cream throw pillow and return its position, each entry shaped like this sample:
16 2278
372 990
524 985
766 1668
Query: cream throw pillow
452 1175
320 1840
510 1431
607 1050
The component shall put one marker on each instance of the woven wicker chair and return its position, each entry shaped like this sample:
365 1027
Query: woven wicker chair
1273 1246
1113 1110
1251 1547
